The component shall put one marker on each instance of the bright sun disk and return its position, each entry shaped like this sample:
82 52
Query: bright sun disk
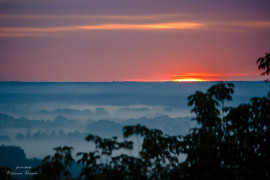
188 80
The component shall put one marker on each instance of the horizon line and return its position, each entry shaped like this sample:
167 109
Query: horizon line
130 81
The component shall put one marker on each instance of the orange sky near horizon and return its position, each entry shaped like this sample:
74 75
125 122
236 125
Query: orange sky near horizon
132 40
195 77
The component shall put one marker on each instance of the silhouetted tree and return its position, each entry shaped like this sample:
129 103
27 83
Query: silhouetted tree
92 161
264 64
129 167
55 167
159 152
248 140
12 156
221 92
4 175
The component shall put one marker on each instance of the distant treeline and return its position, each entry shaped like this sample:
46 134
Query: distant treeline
13 159
62 128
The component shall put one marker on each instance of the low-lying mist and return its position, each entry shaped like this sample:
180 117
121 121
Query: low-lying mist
41 116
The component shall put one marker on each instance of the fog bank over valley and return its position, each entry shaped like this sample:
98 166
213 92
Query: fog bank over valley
40 116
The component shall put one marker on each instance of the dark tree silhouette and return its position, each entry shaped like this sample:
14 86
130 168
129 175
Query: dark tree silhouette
10 158
159 152
55 167
93 168
4 175
221 92
264 64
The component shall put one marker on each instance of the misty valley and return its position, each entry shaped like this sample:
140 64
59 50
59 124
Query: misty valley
37 117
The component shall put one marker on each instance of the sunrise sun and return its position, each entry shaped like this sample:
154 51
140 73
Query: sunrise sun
189 80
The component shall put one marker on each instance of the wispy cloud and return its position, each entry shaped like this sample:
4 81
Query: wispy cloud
109 17
237 26
92 22
18 34
250 24
157 26
152 22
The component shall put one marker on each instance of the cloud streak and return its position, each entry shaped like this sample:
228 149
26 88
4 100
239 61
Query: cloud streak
154 22
24 31
251 24
18 34
109 17
157 26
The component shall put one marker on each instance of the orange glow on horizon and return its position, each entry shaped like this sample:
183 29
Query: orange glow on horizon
186 79
195 77
189 80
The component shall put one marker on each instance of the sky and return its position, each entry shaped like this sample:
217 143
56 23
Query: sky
134 40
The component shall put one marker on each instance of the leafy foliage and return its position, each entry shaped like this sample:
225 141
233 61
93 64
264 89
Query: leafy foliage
55 167
92 162
4 173
264 64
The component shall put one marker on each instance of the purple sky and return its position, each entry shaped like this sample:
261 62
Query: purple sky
149 40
